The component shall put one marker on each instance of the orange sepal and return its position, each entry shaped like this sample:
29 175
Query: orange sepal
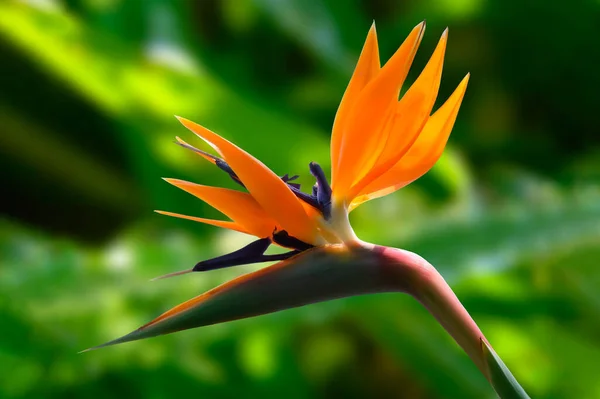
423 154
364 132
226 224
367 67
411 114
274 196
240 207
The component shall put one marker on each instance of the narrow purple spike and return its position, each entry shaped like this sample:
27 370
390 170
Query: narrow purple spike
251 253
285 240
323 189
224 166
288 179
189 147
309 199
245 255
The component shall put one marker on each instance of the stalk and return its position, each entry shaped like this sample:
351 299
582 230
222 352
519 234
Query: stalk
417 277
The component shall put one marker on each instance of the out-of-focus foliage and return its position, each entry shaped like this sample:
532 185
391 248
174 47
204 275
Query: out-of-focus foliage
510 215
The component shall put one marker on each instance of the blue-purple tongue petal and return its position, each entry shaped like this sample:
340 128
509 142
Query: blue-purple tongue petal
251 253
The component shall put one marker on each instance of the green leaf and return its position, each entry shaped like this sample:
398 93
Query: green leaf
502 380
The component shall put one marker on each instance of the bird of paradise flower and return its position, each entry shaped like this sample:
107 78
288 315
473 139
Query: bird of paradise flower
379 144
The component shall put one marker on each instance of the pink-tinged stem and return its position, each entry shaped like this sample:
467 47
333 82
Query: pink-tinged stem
417 277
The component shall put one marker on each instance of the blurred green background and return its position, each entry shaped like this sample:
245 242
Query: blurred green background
510 215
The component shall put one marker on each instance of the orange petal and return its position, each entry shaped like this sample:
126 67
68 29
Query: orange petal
424 153
412 112
364 133
273 195
219 223
366 68
237 205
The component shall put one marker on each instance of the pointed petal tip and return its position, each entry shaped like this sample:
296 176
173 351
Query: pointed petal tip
462 87
132 336
93 348
166 213
465 80
184 121
445 33
175 182
421 27
169 275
